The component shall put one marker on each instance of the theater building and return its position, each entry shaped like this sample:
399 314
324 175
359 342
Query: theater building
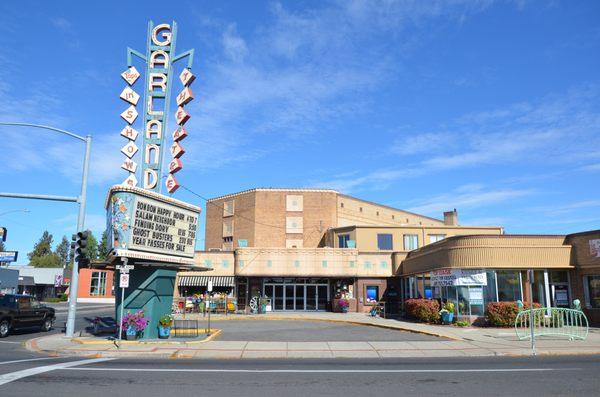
305 248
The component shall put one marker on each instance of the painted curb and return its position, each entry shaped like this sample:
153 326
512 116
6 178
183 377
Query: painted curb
214 334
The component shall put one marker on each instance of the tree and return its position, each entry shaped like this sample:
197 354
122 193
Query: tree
2 247
103 248
51 260
92 247
62 251
43 247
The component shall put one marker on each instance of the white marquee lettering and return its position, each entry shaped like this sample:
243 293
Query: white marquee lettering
150 178
152 151
157 80
151 111
165 28
163 60
154 127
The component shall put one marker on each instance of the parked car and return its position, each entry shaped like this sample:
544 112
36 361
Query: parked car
24 311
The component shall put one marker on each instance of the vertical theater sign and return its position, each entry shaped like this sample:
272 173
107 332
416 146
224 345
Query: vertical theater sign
152 235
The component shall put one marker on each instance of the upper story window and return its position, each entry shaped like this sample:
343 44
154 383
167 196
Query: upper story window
385 242
294 202
341 205
228 208
343 240
227 227
411 242
293 224
436 237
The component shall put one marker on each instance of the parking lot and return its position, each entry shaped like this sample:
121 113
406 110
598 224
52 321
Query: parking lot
308 331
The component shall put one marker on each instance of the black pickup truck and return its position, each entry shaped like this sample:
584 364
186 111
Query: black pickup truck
23 311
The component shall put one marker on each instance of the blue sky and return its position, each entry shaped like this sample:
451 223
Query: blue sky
489 107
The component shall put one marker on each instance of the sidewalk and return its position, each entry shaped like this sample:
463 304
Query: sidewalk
454 342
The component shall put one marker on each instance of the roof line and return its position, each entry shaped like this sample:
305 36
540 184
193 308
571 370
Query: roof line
259 189
390 207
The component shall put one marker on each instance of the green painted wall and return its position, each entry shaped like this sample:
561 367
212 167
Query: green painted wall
150 290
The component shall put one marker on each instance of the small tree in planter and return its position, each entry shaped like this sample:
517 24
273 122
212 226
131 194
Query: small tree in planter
164 326
343 304
134 325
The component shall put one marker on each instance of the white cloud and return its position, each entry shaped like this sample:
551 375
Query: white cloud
466 197
557 130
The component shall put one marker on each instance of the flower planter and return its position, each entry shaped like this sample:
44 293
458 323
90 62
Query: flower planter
447 317
164 332
344 309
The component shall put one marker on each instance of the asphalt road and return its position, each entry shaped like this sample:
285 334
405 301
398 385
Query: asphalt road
11 347
496 376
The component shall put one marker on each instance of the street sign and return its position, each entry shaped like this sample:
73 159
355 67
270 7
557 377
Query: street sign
124 268
3 232
124 280
8 256
58 280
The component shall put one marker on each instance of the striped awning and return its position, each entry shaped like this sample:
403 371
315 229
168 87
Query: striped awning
202 281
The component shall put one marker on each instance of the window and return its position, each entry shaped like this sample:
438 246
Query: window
384 242
98 284
509 285
227 227
593 291
372 293
294 202
341 205
293 224
24 303
360 209
228 208
343 240
436 237
411 242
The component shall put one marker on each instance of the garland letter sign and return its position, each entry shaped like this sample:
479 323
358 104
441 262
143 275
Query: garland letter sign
159 59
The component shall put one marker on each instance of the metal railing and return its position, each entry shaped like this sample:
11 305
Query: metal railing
553 321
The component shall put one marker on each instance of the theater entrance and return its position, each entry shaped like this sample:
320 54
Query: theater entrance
291 294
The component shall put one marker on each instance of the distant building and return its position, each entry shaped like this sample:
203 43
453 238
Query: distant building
47 282
9 281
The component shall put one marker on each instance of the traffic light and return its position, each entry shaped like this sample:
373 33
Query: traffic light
80 246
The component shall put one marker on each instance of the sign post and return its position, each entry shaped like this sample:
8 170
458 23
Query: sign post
209 288
123 283
531 317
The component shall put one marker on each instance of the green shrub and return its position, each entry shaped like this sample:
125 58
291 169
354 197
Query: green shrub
504 314
462 323
423 310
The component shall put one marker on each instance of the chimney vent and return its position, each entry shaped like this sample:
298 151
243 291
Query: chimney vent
451 218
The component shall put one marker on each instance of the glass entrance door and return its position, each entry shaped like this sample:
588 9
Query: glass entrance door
311 297
300 297
298 294
289 297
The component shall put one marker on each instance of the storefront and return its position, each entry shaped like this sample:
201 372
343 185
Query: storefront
472 271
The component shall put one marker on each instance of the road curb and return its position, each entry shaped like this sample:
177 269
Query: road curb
214 334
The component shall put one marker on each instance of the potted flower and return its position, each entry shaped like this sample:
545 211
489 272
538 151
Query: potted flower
264 302
164 326
134 325
447 313
343 304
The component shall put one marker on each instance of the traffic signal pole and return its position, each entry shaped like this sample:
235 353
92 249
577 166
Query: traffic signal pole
74 285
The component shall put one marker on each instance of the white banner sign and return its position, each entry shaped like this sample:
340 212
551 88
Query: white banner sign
458 277
595 248
163 228
124 280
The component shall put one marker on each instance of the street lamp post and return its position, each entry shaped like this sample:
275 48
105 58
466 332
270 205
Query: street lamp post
81 199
